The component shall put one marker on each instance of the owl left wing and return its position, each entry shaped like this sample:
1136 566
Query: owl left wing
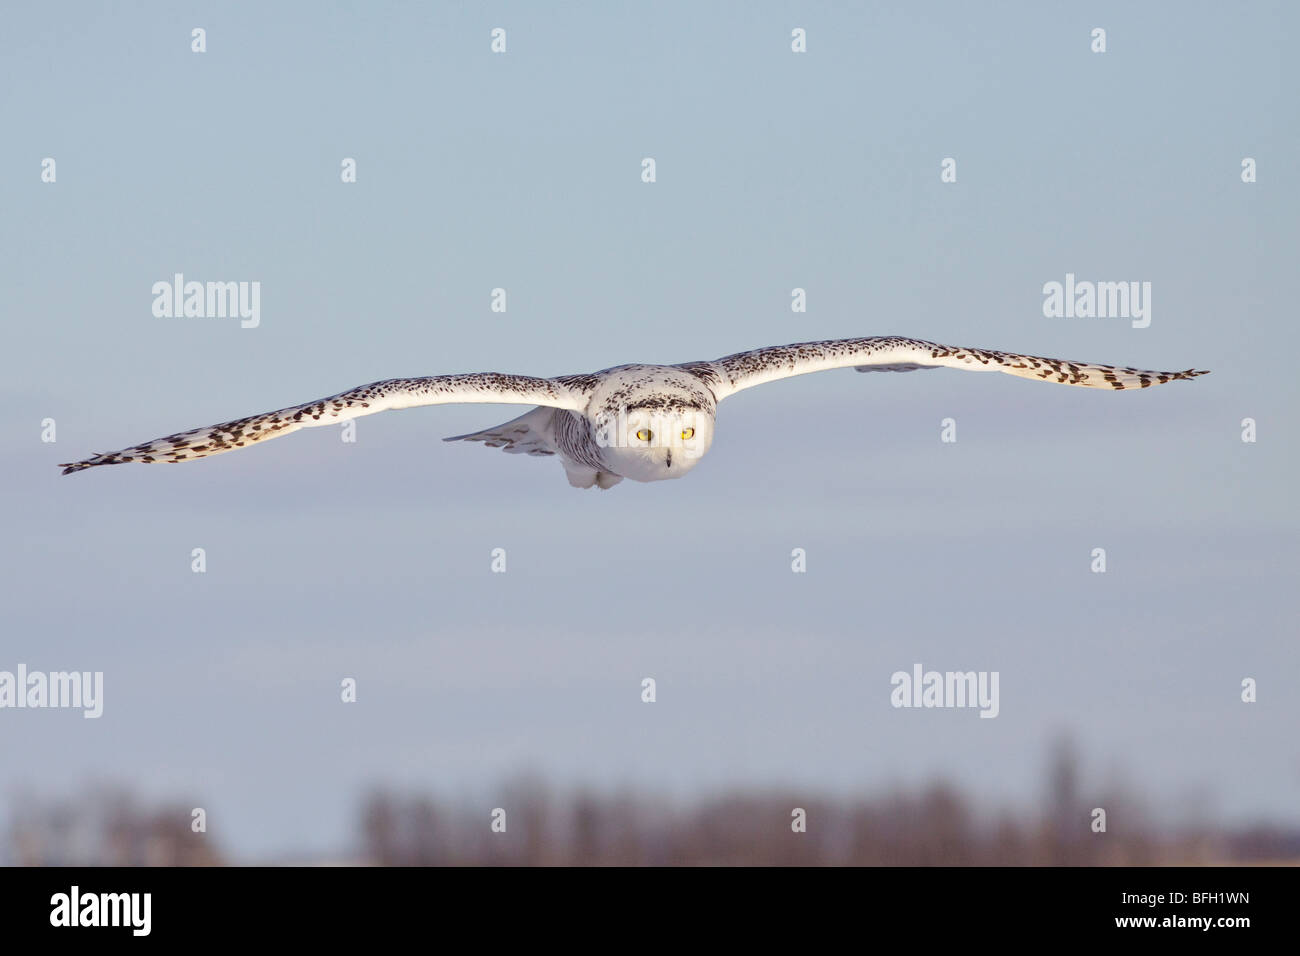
734 373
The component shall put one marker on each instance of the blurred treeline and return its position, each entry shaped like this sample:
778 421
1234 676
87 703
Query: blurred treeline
936 825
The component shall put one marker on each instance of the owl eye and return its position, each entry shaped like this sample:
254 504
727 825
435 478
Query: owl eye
688 433
643 434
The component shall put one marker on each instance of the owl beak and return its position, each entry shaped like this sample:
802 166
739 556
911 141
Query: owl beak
670 457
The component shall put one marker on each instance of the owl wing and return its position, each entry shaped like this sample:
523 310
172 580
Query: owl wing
734 373
529 434
480 387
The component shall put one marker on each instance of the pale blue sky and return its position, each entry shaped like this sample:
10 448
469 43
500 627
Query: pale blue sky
775 170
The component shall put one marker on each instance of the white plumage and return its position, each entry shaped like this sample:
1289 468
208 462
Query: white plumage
644 422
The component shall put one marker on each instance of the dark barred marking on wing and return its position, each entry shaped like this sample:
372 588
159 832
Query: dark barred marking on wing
394 393
893 353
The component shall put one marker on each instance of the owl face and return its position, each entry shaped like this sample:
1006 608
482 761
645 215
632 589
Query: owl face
654 443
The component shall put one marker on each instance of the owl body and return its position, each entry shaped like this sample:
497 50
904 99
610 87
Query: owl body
641 422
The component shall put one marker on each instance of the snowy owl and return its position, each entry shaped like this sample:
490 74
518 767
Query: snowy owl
644 422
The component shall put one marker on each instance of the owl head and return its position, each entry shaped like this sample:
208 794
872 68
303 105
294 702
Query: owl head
654 440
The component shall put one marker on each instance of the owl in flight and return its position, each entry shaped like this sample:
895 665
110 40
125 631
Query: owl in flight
644 422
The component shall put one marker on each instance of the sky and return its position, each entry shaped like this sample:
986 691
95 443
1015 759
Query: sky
774 171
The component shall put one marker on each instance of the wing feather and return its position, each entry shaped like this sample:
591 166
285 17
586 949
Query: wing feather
734 373
529 434
478 387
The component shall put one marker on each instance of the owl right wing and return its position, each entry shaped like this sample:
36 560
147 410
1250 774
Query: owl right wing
479 387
